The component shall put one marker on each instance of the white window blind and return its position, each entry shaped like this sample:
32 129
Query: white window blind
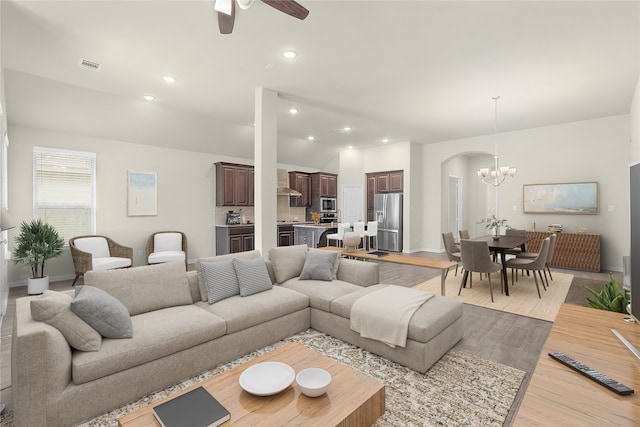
64 184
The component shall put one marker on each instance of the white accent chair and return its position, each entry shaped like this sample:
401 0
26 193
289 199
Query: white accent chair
167 246
98 253
338 236
371 231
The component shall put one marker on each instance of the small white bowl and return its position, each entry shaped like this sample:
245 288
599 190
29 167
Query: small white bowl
313 382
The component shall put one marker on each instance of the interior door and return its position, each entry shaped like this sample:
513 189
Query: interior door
352 204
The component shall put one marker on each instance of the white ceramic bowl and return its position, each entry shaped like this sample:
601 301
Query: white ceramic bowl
313 382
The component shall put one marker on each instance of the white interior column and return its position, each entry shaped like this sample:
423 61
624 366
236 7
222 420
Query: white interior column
266 179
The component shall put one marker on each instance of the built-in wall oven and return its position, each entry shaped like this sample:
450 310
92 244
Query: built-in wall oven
328 204
327 218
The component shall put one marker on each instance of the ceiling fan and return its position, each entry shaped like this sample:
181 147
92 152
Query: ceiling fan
227 8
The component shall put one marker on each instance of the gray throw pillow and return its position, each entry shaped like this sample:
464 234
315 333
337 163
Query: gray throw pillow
287 261
253 276
54 308
221 280
103 312
319 266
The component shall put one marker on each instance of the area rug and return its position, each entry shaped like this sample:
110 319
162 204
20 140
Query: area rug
523 297
459 390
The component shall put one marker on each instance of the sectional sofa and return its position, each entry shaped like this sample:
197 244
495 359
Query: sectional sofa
163 324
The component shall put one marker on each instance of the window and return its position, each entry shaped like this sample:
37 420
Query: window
64 188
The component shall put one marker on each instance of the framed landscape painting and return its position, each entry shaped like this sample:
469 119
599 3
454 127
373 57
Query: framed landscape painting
569 198
142 194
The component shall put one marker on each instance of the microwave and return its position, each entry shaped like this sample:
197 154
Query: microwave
328 204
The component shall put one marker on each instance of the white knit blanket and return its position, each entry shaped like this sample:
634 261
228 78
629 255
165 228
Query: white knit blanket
384 314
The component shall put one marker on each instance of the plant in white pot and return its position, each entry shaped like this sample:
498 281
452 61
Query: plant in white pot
37 243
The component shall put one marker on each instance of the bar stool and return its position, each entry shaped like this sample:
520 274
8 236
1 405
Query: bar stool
371 231
338 236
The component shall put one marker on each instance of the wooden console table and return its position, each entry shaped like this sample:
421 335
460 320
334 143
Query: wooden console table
578 251
559 396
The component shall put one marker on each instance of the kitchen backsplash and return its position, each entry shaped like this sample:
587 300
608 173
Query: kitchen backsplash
285 213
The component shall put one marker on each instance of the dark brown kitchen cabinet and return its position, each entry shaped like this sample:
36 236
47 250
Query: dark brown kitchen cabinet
234 184
301 182
285 235
328 185
234 239
382 182
324 185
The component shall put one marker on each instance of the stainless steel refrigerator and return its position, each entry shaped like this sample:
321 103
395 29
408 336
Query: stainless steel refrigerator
388 209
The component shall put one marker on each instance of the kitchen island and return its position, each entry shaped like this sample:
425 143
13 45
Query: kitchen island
313 235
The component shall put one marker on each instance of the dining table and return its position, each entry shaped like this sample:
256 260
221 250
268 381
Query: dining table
500 246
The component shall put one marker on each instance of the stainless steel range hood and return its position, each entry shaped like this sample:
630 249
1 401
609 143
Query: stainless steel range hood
283 184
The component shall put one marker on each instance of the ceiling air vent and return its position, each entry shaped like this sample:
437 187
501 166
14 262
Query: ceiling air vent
90 64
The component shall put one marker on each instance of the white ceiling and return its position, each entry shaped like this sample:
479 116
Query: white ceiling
422 71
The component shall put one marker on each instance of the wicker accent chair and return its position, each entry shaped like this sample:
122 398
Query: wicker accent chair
98 253
167 246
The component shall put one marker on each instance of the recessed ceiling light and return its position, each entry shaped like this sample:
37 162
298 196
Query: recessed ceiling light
385 140
293 111
289 54
149 97
311 138
350 147
169 79
347 128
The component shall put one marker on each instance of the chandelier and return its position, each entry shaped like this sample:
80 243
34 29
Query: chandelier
497 174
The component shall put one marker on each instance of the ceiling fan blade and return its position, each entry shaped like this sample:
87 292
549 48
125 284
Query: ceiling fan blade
224 6
225 22
290 7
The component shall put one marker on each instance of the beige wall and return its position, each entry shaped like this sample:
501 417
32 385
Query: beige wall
186 196
564 153
593 150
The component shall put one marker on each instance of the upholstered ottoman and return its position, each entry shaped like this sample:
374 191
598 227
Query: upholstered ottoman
434 328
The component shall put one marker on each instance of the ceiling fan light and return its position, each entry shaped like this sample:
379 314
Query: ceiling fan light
223 6
245 4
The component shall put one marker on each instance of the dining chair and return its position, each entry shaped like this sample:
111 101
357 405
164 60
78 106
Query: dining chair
514 232
453 252
532 255
477 258
371 232
535 265
464 234
338 236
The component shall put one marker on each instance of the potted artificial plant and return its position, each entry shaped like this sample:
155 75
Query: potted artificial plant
494 225
36 243
612 298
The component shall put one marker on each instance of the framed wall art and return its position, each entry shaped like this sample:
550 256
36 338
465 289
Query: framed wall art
142 193
579 198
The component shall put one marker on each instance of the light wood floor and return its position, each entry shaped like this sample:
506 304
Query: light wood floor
498 336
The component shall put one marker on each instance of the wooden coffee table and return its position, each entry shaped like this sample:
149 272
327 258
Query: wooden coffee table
353 399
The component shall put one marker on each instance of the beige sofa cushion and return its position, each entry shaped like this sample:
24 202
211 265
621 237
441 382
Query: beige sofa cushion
155 334
321 293
287 261
146 288
54 308
204 295
245 312
433 317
